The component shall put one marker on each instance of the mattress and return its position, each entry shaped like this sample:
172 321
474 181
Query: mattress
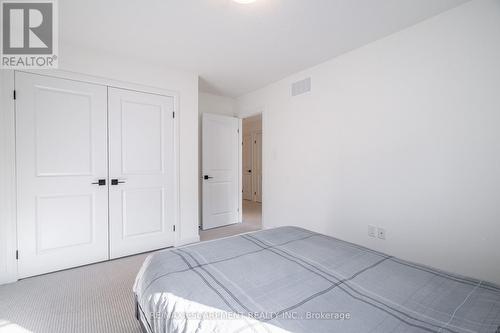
294 280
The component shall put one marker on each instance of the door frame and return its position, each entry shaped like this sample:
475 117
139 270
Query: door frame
254 139
8 192
252 112
242 169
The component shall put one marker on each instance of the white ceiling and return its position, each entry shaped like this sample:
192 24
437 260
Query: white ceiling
237 48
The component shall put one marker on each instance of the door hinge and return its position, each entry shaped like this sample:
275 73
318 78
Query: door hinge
238 130
17 254
174 228
14 94
173 114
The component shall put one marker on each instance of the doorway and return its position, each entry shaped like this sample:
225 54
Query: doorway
252 170
220 154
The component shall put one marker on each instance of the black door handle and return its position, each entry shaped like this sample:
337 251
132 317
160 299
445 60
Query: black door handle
250 171
116 182
100 182
207 177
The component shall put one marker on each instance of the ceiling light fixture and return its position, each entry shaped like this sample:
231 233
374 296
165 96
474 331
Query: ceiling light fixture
244 1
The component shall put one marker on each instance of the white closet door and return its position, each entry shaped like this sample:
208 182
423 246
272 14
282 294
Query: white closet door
61 150
141 159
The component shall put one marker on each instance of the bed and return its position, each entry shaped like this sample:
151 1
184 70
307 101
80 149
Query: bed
293 280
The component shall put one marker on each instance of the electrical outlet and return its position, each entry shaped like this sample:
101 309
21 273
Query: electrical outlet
372 231
381 233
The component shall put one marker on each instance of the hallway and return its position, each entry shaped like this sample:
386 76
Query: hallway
252 221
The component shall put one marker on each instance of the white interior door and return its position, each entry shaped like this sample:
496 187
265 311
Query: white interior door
61 152
247 167
257 167
220 166
141 171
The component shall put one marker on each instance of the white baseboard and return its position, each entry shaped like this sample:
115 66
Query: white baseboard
8 280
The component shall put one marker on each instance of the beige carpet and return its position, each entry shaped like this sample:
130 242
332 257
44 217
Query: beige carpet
91 299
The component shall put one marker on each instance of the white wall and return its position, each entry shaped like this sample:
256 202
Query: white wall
403 133
133 71
210 103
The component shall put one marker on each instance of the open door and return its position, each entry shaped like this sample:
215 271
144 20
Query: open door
221 171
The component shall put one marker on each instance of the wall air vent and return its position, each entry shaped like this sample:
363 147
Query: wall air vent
301 87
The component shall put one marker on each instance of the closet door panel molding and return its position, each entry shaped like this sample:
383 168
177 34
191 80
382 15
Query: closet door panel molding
61 140
141 145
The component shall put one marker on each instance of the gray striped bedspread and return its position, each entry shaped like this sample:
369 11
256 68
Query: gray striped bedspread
294 280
